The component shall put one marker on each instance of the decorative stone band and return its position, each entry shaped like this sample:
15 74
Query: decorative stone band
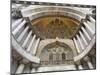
34 9
31 2
47 13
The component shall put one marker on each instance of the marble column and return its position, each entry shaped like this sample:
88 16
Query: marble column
19 27
87 35
20 68
27 38
90 64
30 45
87 59
36 46
22 34
80 41
92 19
16 23
77 46
83 37
88 27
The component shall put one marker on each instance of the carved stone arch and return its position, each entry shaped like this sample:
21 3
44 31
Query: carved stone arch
56 53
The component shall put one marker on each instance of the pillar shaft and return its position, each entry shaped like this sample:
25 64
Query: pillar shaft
77 46
19 27
22 34
87 59
83 37
90 64
20 68
30 45
16 23
36 46
26 40
88 27
92 26
87 35
80 41
92 19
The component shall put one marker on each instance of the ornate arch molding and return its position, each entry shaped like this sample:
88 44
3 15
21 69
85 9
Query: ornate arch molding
56 53
66 42
33 12
56 43
33 9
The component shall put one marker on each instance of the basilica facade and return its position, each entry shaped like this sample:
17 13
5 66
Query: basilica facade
48 37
